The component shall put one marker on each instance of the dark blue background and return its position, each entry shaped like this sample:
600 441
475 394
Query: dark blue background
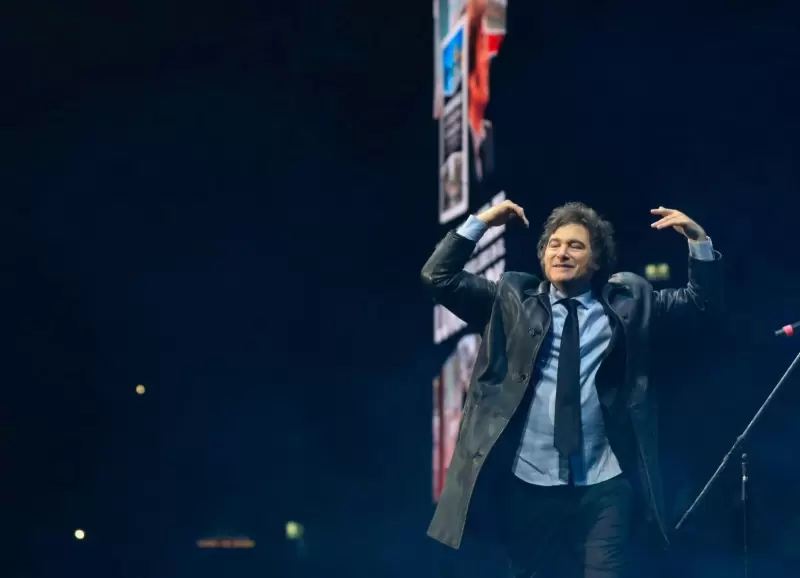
231 204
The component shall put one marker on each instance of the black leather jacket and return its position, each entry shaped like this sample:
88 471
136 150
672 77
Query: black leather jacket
514 316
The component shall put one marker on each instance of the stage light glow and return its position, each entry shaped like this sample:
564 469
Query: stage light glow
657 272
294 530
80 534
140 389
227 543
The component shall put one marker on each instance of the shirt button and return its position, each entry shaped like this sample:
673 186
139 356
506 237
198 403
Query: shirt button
521 377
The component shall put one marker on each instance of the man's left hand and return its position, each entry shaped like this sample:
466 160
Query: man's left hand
680 222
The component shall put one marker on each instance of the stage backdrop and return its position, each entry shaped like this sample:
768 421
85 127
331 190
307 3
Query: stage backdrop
467 35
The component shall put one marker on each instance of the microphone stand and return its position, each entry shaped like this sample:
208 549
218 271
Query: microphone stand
736 445
744 513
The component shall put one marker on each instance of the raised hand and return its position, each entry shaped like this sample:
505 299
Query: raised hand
678 221
502 214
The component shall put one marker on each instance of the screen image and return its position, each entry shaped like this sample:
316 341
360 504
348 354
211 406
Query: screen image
467 35
450 390
485 32
448 14
454 178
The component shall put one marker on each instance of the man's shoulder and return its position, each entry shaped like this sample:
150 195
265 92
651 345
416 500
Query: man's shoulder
520 281
631 281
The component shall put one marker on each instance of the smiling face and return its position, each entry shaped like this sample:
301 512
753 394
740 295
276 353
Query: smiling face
567 259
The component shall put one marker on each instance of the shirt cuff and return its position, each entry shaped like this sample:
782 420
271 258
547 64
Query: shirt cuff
701 250
473 229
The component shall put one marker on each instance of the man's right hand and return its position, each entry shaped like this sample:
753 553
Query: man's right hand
502 214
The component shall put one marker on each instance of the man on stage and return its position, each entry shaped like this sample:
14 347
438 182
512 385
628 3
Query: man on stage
558 444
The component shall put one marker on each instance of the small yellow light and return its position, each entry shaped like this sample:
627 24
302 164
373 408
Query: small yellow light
80 534
140 389
657 271
294 530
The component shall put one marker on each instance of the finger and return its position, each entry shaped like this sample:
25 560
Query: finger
520 213
662 211
670 214
662 224
671 221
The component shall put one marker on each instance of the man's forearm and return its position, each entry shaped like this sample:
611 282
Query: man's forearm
468 296
705 276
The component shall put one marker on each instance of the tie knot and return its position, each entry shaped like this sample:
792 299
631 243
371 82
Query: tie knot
570 304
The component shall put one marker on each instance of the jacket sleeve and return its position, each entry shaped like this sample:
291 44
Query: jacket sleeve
468 296
703 293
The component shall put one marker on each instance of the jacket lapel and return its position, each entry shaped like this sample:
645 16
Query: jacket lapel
537 307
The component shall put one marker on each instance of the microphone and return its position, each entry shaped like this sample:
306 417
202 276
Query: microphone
788 330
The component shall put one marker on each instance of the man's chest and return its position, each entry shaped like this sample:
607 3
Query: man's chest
595 335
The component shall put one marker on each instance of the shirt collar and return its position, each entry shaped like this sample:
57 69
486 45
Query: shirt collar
585 299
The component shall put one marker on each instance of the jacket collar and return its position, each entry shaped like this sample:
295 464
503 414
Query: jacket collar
542 289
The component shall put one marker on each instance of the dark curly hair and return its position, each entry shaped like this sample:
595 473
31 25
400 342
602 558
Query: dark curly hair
601 234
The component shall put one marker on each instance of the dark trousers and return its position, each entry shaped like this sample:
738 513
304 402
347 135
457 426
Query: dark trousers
559 531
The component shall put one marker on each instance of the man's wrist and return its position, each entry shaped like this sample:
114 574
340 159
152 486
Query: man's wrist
473 228
702 249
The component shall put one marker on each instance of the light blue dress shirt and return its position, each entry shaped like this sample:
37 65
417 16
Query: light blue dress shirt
538 461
